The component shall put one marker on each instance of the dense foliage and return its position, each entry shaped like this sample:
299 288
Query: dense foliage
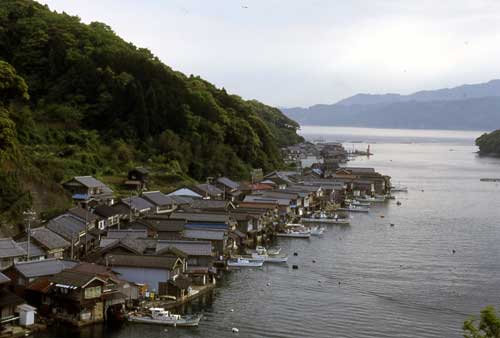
98 105
488 325
489 143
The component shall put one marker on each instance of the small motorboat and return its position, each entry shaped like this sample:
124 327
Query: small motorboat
317 231
160 316
360 204
376 199
295 234
274 251
269 259
244 262
353 208
324 218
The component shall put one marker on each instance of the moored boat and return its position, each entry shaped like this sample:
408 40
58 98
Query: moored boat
317 231
295 234
244 262
353 208
163 317
324 218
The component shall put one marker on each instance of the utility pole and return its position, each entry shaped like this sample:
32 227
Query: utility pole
30 215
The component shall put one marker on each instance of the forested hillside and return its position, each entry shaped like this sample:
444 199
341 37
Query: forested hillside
78 100
489 144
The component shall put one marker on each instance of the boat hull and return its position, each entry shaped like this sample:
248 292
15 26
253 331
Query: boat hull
179 322
326 220
294 235
353 210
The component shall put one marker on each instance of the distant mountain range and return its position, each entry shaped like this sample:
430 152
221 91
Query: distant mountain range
469 107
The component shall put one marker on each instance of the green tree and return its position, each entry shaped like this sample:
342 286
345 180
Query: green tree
488 325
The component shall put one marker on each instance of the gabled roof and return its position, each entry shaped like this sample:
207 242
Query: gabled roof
191 248
89 181
158 198
211 204
137 203
166 225
228 183
67 226
46 267
35 250
181 200
83 214
49 239
206 225
208 189
75 279
185 192
95 269
140 261
211 235
10 249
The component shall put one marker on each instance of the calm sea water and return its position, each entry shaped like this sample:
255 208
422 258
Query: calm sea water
371 279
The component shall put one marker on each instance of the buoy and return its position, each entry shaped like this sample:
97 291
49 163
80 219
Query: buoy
295 254
392 224
398 203
232 310
422 190
453 251
295 267
268 284
382 216
314 261
235 330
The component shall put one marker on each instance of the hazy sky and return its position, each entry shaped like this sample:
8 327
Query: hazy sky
291 52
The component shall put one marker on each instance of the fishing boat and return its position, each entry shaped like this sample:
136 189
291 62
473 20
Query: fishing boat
269 259
274 251
360 204
324 218
244 262
160 316
376 199
399 188
353 208
295 234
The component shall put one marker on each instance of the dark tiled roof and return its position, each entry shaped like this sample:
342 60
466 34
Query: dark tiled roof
9 248
83 214
35 250
191 248
212 235
89 181
49 239
95 269
166 225
67 226
128 233
228 182
46 267
72 278
141 170
138 203
201 217
105 211
156 262
208 189
158 198
180 200
210 204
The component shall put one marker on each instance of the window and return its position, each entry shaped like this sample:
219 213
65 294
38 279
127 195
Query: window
92 292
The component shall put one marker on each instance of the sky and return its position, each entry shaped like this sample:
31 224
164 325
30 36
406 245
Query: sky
303 52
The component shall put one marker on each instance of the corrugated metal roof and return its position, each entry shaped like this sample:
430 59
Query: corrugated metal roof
49 239
9 248
228 182
213 235
46 267
67 226
191 248
138 203
140 261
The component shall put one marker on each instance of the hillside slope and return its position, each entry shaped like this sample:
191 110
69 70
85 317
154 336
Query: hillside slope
99 105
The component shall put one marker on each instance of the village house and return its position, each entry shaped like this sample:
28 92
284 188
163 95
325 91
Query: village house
230 188
76 297
210 206
137 178
88 190
73 230
200 258
93 221
156 272
186 192
165 228
208 191
10 253
8 302
33 251
218 238
134 207
161 202
23 274
109 215
53 244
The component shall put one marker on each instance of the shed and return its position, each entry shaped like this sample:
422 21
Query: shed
26 314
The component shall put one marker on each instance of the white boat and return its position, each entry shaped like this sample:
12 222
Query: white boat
269 259
323 218
353 208
244 262
317 231
295 234
399 189
274 251
360 204
294 225
376 199
160 316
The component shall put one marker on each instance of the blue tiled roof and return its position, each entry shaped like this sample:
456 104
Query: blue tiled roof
196 225
80 196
